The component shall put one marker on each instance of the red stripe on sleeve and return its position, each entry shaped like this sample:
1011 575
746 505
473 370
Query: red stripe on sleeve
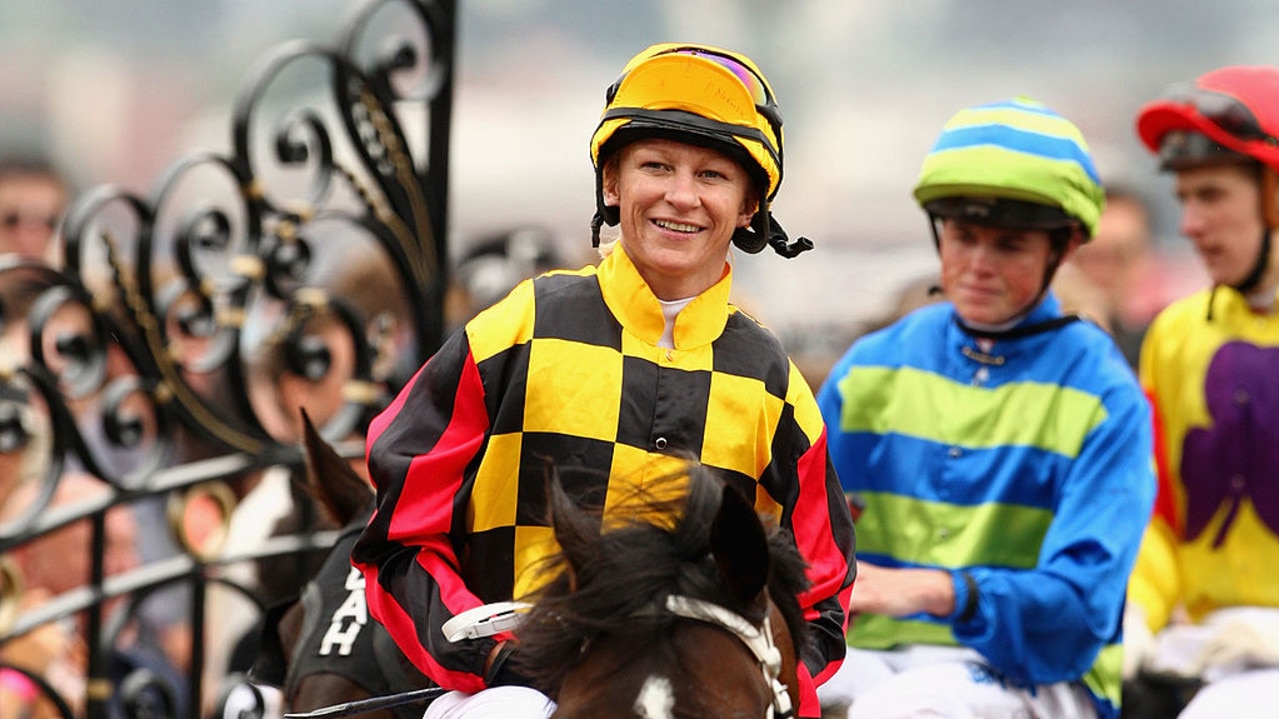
422 517
388 415
400 624
809 705
433 478
1165 500
814 534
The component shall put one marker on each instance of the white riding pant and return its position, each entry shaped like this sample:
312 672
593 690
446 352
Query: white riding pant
1238 696
506 702
933 681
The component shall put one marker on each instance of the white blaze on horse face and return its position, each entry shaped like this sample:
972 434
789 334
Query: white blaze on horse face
348 620
655 699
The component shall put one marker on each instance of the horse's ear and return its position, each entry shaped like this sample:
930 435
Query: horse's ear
272 662
342 494
740 546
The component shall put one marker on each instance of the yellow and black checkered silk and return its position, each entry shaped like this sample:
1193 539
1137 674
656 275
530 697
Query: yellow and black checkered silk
589 389
566 373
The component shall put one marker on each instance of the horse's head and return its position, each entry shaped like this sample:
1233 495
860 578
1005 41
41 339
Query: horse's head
323 649
687 608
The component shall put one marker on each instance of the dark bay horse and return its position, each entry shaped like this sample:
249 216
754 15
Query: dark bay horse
686 609
692 617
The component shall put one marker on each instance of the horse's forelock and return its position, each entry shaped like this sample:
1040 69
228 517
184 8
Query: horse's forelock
613 581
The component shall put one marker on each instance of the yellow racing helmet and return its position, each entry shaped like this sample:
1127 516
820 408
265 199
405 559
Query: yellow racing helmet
705 96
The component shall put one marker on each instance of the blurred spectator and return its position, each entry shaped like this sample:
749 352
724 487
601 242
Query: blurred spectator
1120 264
33 196
913 294
22 447
304 361
158 633
51 565
494 266
816 349
301 357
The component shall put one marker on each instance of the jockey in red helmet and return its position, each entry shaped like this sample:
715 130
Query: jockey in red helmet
1209 376
1227 117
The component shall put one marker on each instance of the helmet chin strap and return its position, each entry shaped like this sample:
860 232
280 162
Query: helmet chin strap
597 221
1270 218
604 214
764 229
764 225
1248 284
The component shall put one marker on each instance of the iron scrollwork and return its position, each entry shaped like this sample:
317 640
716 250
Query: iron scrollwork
150 356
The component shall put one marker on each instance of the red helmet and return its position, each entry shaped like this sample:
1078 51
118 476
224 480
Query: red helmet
1237 108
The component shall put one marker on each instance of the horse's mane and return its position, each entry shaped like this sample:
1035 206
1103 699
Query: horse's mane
614 583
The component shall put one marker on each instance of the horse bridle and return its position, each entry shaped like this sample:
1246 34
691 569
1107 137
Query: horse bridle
759 640
489 619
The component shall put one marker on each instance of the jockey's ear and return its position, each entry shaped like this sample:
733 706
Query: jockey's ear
739 546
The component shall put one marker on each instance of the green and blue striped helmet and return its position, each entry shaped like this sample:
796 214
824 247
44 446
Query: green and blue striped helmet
1014 163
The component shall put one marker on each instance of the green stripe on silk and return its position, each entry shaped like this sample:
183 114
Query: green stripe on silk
878 631
921 404
917 531
993 165
1104 678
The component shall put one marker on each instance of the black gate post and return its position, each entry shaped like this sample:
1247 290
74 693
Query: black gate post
437 170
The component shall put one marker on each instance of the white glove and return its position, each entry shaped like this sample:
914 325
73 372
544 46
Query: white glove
1243 638
1139 641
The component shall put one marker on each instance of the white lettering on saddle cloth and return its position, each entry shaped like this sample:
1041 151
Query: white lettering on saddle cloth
348 620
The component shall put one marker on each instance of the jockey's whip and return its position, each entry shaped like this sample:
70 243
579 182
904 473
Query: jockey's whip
359 706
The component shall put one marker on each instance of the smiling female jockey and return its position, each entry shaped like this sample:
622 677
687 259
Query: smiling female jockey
612 375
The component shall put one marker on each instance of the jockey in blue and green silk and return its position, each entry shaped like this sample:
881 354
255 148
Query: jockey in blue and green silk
1001 446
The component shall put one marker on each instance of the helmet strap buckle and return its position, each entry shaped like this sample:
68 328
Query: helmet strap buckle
766 230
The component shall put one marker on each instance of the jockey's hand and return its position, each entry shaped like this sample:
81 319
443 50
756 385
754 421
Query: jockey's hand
1244 637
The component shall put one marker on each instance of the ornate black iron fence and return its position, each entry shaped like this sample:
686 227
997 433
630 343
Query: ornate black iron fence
158 368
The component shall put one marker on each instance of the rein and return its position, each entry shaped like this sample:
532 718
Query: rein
360 706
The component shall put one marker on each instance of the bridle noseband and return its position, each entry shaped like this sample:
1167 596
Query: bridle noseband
489 619
759 640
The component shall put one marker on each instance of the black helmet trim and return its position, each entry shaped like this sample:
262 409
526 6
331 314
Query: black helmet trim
1187 148
696 125
1001 212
